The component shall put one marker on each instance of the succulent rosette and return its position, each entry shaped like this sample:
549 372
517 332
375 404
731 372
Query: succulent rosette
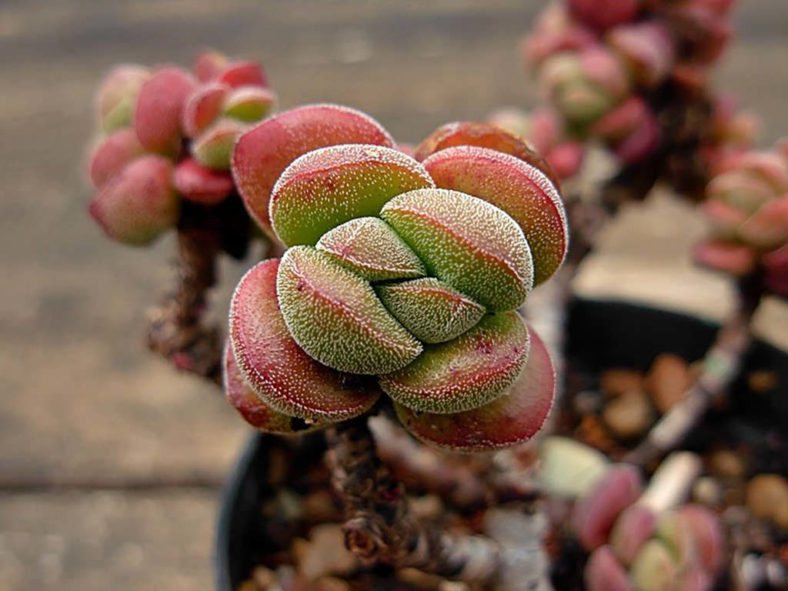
680 549
401 276
167 135
747 208
639 538
600 64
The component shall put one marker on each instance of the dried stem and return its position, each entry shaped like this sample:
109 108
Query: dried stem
719 367
467 483
175 328
379 527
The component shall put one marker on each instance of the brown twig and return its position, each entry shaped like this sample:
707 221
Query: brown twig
379 527
719 367
175 328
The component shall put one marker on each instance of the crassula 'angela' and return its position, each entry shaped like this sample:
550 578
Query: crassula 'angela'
747 207
603 67
401 276
167 134
638 540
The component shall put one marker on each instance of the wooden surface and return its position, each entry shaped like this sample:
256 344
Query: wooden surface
136 451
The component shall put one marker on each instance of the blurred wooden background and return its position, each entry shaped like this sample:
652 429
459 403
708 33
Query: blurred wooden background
109 462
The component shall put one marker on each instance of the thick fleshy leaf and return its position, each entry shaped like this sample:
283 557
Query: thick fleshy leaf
518 188
606 70
214 147
157 118
648 47
775 264
641 142
622 120
263 152
675 533
604 14
112 154
707 533
276 368
634 526
243 73
468 372
249 103
736 259
431 310
583 103
566 158
724 219
329 186
200 184
483 135
546 130
370 248
335 316
202 108
467 242
252 408
741 189
595 514
138 203
654 568
510 420
117 96
209 65
767 228
604 573
769 167
556 31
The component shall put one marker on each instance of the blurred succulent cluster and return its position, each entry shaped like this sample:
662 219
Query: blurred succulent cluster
400 275
613 70
747 208
167 135
640 538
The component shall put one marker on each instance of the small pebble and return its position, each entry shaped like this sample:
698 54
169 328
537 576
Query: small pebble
629 415
263 577
707 491
767 499
761 381
668 380
617 381
728 464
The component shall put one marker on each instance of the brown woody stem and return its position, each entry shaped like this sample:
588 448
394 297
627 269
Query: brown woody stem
719 368
175 328
379 527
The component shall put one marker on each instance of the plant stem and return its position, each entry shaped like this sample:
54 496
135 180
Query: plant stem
467 483
379 527
175 327
720 366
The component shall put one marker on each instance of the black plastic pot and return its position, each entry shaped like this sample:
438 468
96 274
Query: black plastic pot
601 334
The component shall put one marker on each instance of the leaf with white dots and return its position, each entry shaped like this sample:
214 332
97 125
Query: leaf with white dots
517 187
335 316
465 373
511 419
327 187
276 368
369 247
467 242
431 310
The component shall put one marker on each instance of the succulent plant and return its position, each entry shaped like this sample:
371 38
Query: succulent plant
747 207
167 134
644 540
399 277
601 65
